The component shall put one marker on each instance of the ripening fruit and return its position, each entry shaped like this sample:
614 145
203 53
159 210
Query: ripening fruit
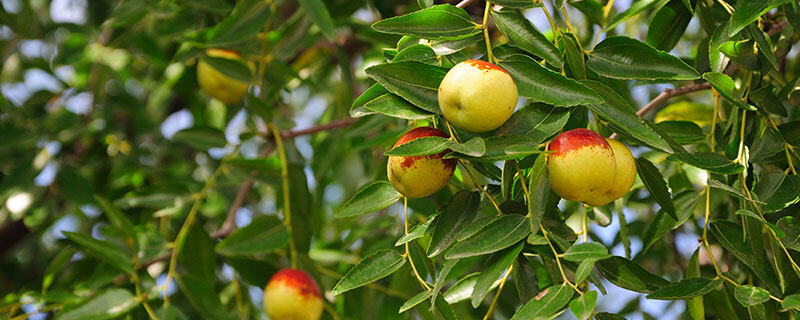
582 167
292 294
216 83
477 96
417 177
625 173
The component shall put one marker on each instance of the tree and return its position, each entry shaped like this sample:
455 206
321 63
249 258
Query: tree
129 192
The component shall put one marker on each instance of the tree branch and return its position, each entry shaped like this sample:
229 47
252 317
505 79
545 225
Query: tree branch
670 93
464 3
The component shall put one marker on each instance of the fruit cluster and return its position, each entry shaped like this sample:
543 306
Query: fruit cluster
478 96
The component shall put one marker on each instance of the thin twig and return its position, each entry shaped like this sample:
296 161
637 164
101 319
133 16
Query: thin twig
666 95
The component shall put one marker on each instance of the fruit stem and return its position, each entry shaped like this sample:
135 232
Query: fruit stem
143 298
190 218
497 294
287 209
485 26
705 231
714 117
475 184
741 138
558 261
553 25
522 180
408 253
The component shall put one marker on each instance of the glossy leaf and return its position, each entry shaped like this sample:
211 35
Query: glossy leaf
416 232
750 295
623 58
634 9
539 191
517 3
629 275
442 20
586 250
415 300
668 25
727 89
685 289
503 232
394 106
203 297
731 238
318 13
777 190
414 81
654 182
491 274
583 306
548 303
524 35
201 137
375 266
538 83
584 270
422 146
456 215
371 198
746 12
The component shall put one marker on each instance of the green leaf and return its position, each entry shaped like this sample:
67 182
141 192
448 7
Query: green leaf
416 232
584 270
374 92
766 223
655 183
318 13
625 58
586 250
196 255
727 89
583 307
685 289
439 21
456 215
608 316
108 304
731 238
539 191
668 25
746 12
263 235
201 137
103 250
548 303
417 52
522 34
414 81
694 306
750 295
634 9
441 278
574 56
245 21
415 300
764 46
375 266
394 106
503 232
420 147
685 203
713 162
118 220
618 111
536 121
717 60
538 83
474 147
683 132
371 198
778 190
491 274
791 302
203 297
629 275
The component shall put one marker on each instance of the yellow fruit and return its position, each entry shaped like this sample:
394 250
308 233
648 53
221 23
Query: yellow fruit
582 167
477 96
216 83
418 177
292 294
625 173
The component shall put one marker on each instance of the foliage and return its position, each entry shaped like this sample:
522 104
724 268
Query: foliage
129 192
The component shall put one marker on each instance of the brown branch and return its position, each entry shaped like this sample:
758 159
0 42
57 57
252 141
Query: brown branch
328 126
670 93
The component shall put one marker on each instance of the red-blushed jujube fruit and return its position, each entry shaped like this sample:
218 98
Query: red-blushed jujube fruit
217 84
588 168
477 96
292 294
418 177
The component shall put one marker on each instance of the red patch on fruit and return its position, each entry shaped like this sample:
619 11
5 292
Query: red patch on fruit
484 66
421 132
298 279
576 139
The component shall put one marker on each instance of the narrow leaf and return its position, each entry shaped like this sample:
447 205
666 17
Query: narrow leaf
370 198
654 182
442 20
376 266
538 83
624 58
